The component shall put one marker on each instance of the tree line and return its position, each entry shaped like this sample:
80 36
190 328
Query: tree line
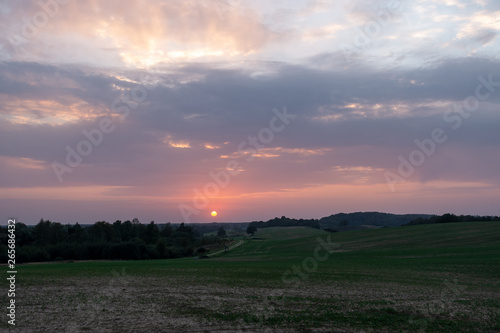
371 218
343 220
286 222
128 240
451 218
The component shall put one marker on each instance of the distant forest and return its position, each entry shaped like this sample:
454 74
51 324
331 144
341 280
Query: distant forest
451 218
129 240
343 220
285 222
132 240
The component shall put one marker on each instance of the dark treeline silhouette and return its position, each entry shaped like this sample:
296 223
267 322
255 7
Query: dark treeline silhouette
234 227
343 220
368 218
129 240
285 222
450 218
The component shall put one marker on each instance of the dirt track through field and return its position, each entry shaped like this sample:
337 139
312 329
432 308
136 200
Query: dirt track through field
229 248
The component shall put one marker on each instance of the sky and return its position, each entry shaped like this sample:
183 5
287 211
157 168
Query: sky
169 110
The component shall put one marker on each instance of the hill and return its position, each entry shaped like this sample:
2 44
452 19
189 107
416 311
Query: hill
345 222
423 241
450 218
369 218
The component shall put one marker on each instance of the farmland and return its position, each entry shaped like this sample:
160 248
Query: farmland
427 278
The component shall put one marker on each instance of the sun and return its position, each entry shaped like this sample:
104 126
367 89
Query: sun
213 213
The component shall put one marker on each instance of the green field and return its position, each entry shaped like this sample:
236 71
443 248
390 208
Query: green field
428 278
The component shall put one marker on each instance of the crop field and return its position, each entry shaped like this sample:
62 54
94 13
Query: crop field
428 278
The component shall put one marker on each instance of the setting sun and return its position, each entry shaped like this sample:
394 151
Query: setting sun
213 213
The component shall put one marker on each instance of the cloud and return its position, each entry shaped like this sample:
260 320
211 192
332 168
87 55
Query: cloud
142 155
218 73
135 33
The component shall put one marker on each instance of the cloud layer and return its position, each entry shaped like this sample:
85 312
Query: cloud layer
182 86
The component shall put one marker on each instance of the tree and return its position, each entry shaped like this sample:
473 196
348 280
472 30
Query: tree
76 234
221 232
224 242
161 247
101 231
127 231
184 228
24 234
152 233
251 230
167 230
448 218
117 229
42 233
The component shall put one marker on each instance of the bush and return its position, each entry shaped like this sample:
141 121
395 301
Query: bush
40 255
201 250
152 252
3 253
30 253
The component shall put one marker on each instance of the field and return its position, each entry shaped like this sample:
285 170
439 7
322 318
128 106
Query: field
428 278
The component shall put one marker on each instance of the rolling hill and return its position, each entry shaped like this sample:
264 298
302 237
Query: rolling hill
426 278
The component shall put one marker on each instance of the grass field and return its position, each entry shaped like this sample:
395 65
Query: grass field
429 278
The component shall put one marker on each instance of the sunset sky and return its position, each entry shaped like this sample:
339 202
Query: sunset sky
169 110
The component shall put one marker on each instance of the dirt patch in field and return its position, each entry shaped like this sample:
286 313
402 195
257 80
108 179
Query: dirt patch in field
122 303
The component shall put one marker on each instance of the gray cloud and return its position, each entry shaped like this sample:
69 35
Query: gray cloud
226 106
